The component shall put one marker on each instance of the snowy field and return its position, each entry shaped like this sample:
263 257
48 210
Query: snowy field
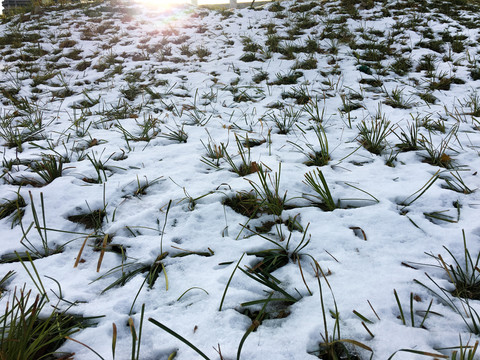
293 181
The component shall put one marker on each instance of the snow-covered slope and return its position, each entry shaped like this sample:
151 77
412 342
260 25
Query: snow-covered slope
353 130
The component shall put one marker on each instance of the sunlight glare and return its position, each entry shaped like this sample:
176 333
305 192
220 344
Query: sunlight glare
162 5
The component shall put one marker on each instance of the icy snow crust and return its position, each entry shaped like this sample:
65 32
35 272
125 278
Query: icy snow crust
362 246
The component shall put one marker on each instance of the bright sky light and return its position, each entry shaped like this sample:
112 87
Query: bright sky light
166 4
162 4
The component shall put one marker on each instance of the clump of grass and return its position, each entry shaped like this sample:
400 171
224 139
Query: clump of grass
214 153
318 155
401 66
249 45
13 208
373 134
372 82
409 139
348 104
432 125
427 63
131 91
312 108
260 76
309 63
289 51
302 7
286 120
202 52
132 269
271 28
243 96
185 50
276 7
27 334
273 43
149 129
455 183
49 168
300 94
99 166
268 191
266 279
289 78
465 280
322 197
305 21
143 186
15 136
475 73
391 158
464 275
396 99
249 57
245 203
437 155
179 135
107 61
92 220
4 281
246 166
472 103
67 43
333 346
441 81
428 97
434 45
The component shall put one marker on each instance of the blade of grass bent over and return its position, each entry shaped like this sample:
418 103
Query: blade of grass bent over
229 281
179 337
254 326
40 287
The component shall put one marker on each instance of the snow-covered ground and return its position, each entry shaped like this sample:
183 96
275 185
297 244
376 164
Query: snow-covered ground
130 99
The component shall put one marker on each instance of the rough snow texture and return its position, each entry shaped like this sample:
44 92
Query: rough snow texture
362 247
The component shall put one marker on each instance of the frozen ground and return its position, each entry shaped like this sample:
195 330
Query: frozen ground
111 120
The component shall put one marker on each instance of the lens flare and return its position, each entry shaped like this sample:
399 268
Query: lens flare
162 5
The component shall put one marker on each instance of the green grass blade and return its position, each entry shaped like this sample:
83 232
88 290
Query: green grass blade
164 225
362 317
229 281
402 316
412 314
426 313
419 352
193 287
179 337
38 285
142 314
254 326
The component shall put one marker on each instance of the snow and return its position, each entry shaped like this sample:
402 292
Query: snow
363 245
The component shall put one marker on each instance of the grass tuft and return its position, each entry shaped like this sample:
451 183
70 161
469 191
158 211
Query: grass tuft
322 197
464 273
27 334
14 209
92 220
268 191
373 134
245 203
